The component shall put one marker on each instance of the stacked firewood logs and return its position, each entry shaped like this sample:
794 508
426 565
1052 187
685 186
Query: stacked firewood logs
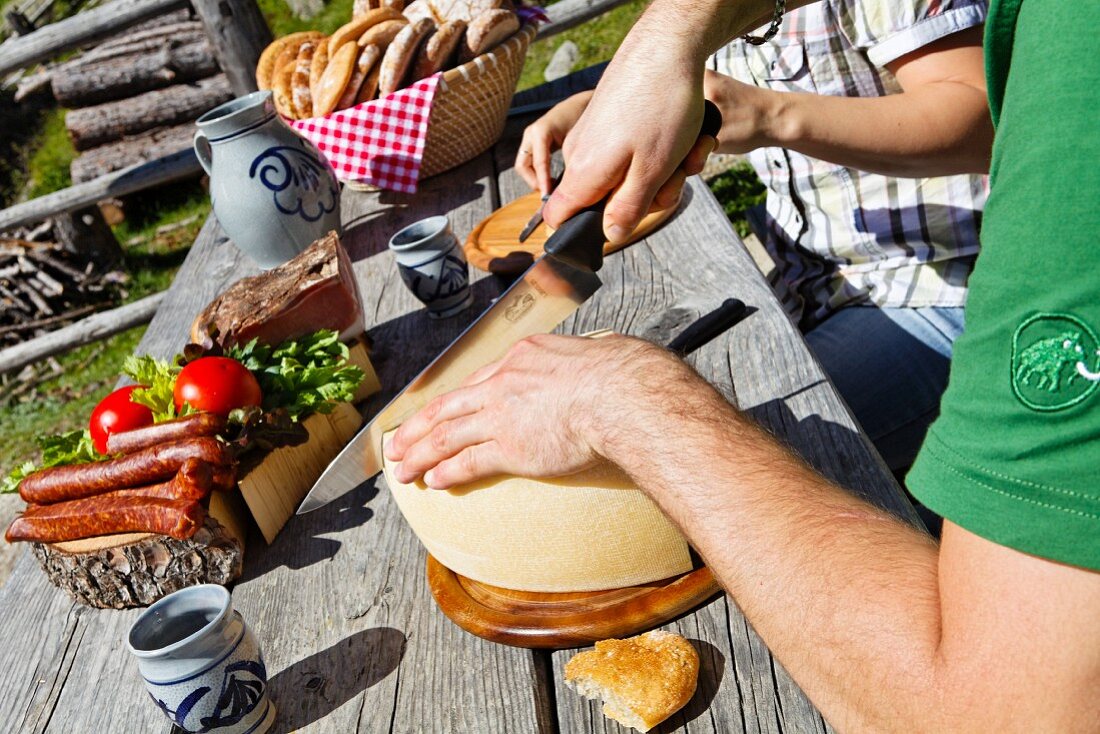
43 287
134 97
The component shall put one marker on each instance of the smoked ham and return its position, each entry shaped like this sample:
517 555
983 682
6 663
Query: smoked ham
316 290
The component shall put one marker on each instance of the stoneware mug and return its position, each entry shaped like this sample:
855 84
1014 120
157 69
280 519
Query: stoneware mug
272 190
201 664
433 266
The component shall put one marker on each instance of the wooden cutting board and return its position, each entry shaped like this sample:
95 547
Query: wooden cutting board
494 244
556 621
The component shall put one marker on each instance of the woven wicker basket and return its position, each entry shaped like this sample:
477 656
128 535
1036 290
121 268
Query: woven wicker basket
471 105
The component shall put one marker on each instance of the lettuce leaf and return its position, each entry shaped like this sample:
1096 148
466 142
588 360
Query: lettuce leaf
302 376
74 447
158 379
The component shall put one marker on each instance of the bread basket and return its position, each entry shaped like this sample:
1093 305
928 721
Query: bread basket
471 104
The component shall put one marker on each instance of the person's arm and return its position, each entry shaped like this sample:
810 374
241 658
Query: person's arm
882 629
938 125
645 115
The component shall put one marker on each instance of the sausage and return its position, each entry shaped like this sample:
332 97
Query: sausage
92 516
189 426
193 481
224 477
154 464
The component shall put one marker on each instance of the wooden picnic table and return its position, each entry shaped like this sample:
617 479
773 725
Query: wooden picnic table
352 638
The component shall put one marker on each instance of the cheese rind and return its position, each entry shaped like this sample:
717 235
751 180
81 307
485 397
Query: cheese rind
586 532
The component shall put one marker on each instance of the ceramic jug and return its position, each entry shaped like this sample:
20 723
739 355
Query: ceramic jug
272 190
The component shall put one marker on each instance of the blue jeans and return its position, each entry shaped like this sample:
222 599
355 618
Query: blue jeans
890 365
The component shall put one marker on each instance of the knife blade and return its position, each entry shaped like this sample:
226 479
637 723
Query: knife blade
534 221
549 291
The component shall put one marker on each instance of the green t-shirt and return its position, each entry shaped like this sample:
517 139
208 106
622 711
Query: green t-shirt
1015 454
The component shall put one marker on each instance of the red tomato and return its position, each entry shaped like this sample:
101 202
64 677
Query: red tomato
217 385
115 414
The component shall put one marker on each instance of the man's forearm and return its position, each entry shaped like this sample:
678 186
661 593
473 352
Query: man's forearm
936 130
844 594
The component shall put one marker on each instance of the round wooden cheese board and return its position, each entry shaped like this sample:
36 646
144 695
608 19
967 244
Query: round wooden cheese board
494 244
564 620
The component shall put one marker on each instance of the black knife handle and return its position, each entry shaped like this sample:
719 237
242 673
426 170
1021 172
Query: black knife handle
709 326
573 240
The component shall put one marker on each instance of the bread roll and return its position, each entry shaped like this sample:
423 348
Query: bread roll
358 26
266 67
382 35
419 9
317 66
401 54
368 59
335 79
642 680
299 82
439 50
282 92
486 31
465 10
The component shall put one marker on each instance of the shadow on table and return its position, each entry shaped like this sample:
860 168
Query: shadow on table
712 666
300 543
369 234
312 688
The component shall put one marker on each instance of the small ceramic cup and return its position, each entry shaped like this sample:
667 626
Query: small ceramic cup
433 266
201 664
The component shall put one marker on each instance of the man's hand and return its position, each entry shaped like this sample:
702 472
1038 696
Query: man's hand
639 137
549 408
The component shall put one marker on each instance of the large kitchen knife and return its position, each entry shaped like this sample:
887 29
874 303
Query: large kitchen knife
552 288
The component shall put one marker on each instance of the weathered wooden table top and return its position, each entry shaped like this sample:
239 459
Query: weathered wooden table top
352 638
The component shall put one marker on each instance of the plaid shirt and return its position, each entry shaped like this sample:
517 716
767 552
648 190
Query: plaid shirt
844 237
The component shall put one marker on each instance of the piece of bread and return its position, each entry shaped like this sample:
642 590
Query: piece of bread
382 35
397 5
401 54
282 91
368 59
362 7
350 32
642 680
317 66
486 31
334 79
369 90
290 51
299 82
439 50
418 9
266 68
465 10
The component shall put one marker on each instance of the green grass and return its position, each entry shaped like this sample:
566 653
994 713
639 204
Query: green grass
737 190
597 40
48 165
281 21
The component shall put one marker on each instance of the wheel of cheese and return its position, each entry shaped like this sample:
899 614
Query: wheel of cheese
587 532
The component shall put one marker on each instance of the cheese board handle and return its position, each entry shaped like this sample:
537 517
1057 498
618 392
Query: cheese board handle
709 326
580 239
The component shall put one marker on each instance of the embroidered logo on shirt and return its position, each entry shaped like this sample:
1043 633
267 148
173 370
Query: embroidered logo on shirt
1055 361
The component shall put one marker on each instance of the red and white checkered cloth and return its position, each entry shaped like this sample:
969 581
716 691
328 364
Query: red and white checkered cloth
381 142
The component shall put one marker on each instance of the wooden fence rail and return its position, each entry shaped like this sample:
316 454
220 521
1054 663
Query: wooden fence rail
80 29
138 177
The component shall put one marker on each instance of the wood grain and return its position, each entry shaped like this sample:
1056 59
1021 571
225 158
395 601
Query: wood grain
494 244
562 620
352 637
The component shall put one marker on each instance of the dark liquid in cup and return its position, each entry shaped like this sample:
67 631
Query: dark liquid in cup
164 631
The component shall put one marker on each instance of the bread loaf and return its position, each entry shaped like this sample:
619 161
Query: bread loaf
642 680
